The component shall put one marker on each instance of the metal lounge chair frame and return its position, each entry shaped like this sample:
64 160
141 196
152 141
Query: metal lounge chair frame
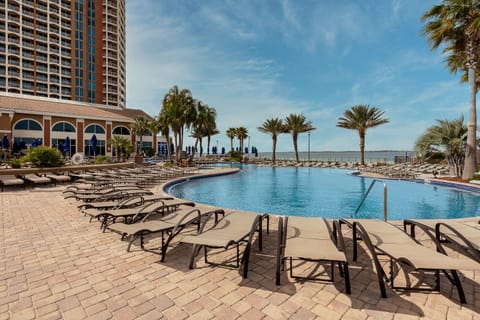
360 233
225 241
449 231
132 215
318 243
172 224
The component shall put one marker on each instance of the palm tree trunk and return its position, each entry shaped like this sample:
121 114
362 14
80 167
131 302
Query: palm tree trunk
274 147
295 146
362 148
471 149
208 145
231 145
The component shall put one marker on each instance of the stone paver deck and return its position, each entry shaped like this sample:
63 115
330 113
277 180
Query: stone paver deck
54 264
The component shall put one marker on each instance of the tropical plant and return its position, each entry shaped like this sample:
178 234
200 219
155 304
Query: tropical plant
141 128
296 124
180 112
455 25
198 135
43 157
448 137
121 146
231 134
210 125
274 127
242 134
361 117
101 159
161 123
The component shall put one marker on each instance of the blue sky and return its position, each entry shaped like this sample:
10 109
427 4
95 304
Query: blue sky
256 60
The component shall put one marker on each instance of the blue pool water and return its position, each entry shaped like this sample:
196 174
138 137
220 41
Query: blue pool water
325 192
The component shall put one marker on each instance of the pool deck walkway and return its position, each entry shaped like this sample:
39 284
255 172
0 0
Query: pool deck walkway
54 264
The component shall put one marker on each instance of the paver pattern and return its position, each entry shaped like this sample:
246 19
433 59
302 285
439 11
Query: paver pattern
55 264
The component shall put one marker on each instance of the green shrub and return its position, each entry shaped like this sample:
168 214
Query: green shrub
476 176
15 163
149 152
101 159
43 156
235 156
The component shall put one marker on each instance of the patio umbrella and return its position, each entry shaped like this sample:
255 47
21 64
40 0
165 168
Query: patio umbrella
223 150
93 144
5 142
66 147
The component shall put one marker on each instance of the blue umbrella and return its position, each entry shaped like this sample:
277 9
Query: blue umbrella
246 150
5 142
93 144
66 147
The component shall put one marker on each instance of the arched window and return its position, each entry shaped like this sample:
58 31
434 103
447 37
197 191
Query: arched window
121 131
94 128
63 127
28 124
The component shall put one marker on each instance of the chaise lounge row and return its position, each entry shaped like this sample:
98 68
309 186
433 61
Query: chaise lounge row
300 239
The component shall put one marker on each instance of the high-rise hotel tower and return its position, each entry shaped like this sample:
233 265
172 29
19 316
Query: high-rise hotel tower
64 49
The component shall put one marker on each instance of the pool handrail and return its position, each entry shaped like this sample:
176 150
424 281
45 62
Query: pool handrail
385 216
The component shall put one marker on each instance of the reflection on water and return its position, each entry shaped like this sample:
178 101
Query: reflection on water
330 193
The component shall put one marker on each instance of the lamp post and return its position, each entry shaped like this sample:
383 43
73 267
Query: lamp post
309 147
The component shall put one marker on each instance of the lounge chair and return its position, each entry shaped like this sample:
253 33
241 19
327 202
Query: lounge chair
110 195
134 214
128 201
465 232
383 238
58 178
311 239
233 229
171 224
34 179
11 180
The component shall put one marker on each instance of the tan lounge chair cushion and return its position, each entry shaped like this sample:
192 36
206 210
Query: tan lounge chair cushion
234 227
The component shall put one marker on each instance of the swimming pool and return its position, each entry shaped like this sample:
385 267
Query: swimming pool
326 192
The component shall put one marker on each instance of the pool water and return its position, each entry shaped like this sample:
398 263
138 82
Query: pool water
326 192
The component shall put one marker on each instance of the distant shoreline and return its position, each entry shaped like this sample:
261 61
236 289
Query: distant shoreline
344 156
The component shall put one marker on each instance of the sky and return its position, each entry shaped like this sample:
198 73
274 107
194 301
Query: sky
256 60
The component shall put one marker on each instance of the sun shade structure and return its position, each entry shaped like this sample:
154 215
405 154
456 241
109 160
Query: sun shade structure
311 239
382 238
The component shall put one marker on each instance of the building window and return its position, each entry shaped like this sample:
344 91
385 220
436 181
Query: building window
28 125
63 127
94 128
121 131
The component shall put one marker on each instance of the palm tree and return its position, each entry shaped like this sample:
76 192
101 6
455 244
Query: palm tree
274 127
210 125
448 137
296 124
141 128
231 134
163 126
198 135
242 134
455 24
180 113
360 118
121 145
